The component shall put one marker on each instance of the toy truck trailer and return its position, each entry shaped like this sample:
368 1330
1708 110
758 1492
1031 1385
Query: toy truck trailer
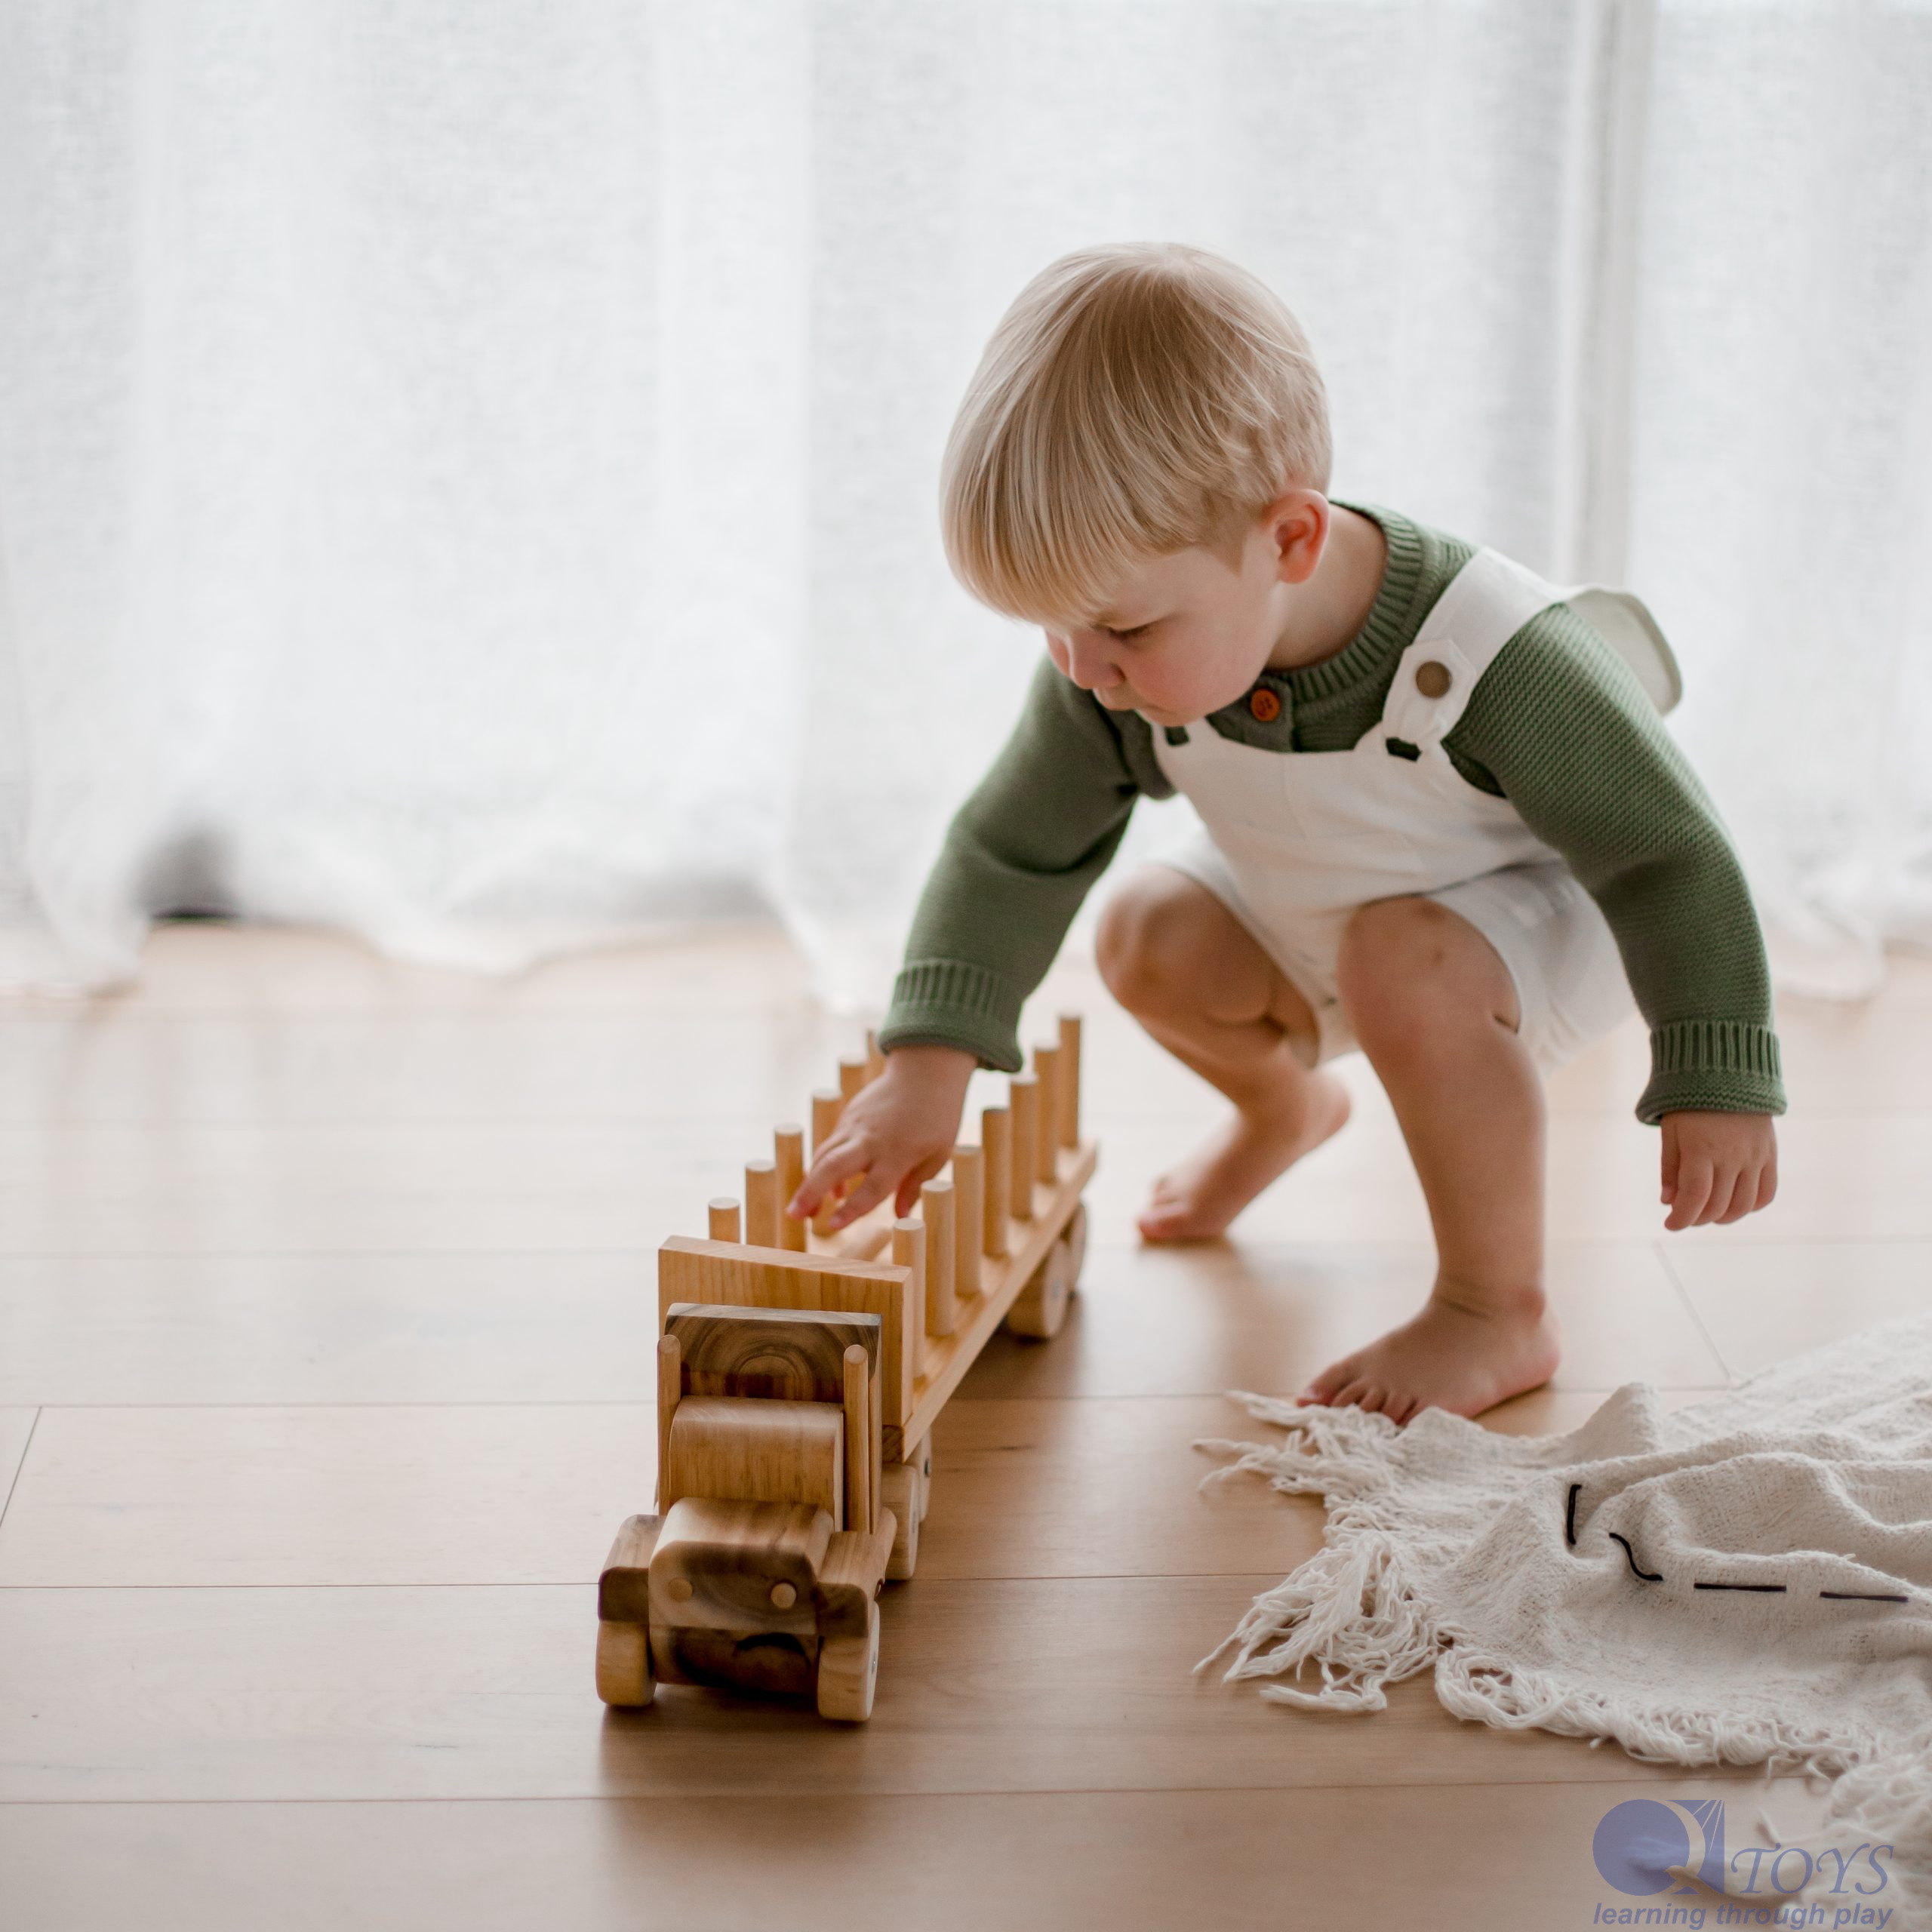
799 1373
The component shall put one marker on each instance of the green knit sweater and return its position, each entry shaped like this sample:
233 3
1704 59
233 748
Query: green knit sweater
1558 725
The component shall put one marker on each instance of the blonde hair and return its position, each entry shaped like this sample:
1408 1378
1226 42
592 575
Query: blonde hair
1133 401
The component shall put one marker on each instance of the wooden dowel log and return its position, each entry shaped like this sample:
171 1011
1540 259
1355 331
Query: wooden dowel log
788 1144
761 1204
876 1435
1023 1097
1046 1070
851 1077
828 1103
725 1219
969 1220
670 1375
909 1250
937 1203
996 1146
875 1058
1067 1111
858 1440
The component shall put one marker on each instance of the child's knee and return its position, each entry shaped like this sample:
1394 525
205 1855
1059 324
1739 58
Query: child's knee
1151 945
1406 964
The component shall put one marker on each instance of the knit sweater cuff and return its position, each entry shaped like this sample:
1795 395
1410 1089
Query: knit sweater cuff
1725 1066
954 1003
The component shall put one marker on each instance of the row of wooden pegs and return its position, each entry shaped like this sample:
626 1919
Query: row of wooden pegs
965 1212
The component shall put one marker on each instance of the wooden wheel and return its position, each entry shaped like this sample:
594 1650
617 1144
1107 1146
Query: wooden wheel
900 1485
1075 1239
1041 1306
923 1462
624 1675
848 1673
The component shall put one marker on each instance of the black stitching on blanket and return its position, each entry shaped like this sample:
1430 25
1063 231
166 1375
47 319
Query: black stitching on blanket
1655 1577
1648 1576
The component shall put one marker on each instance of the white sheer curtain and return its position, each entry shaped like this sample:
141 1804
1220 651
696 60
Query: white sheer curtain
1782 502
467 467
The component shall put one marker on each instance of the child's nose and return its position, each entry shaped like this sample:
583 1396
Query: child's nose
1087 662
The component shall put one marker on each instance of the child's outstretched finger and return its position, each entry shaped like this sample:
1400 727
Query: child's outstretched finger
1693 1191
838 1160
1724 1199
914 1178
1743 1195
862 1200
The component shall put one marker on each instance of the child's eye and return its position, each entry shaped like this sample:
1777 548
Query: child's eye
1139 630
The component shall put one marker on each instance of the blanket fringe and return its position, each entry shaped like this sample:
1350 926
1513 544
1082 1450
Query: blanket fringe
1492 1690
1350 1610
1887 1802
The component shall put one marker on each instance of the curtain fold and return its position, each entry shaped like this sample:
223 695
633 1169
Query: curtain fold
468 471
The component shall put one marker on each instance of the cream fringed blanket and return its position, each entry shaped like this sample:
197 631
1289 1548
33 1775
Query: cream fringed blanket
1747 1580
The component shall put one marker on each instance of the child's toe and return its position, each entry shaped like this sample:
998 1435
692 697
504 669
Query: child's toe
1171 1225
1326 1387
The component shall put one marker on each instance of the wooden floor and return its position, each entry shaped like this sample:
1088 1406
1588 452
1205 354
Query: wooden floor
325 1313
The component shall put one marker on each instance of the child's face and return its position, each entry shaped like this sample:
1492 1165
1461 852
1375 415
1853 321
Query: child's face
1182 635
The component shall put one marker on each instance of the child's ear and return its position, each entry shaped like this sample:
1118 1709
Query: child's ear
1297 524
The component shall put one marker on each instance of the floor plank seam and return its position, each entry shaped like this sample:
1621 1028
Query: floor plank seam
634 1402
14 1484
647 1256
1740 1236
426 1402
1690 1309
1262 1579
1719 1772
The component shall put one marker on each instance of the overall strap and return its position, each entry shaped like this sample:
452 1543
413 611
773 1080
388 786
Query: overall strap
1483 606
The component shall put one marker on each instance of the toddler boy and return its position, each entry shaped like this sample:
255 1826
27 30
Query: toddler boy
1443 823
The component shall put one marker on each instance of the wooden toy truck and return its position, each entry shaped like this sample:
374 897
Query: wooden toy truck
798 1375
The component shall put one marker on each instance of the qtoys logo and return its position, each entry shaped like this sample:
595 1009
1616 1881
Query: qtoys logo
1643 1845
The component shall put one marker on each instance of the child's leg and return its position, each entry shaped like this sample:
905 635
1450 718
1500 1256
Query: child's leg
1175 957
1435 1010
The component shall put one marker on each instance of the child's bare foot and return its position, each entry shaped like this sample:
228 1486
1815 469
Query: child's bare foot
1459 1355
1197 1200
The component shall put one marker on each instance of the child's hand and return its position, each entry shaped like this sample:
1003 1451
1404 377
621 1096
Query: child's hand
898 1132
1718 1167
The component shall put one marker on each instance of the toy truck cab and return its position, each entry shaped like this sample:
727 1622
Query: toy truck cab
762 1572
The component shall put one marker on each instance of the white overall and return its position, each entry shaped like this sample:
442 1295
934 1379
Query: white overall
1295 840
